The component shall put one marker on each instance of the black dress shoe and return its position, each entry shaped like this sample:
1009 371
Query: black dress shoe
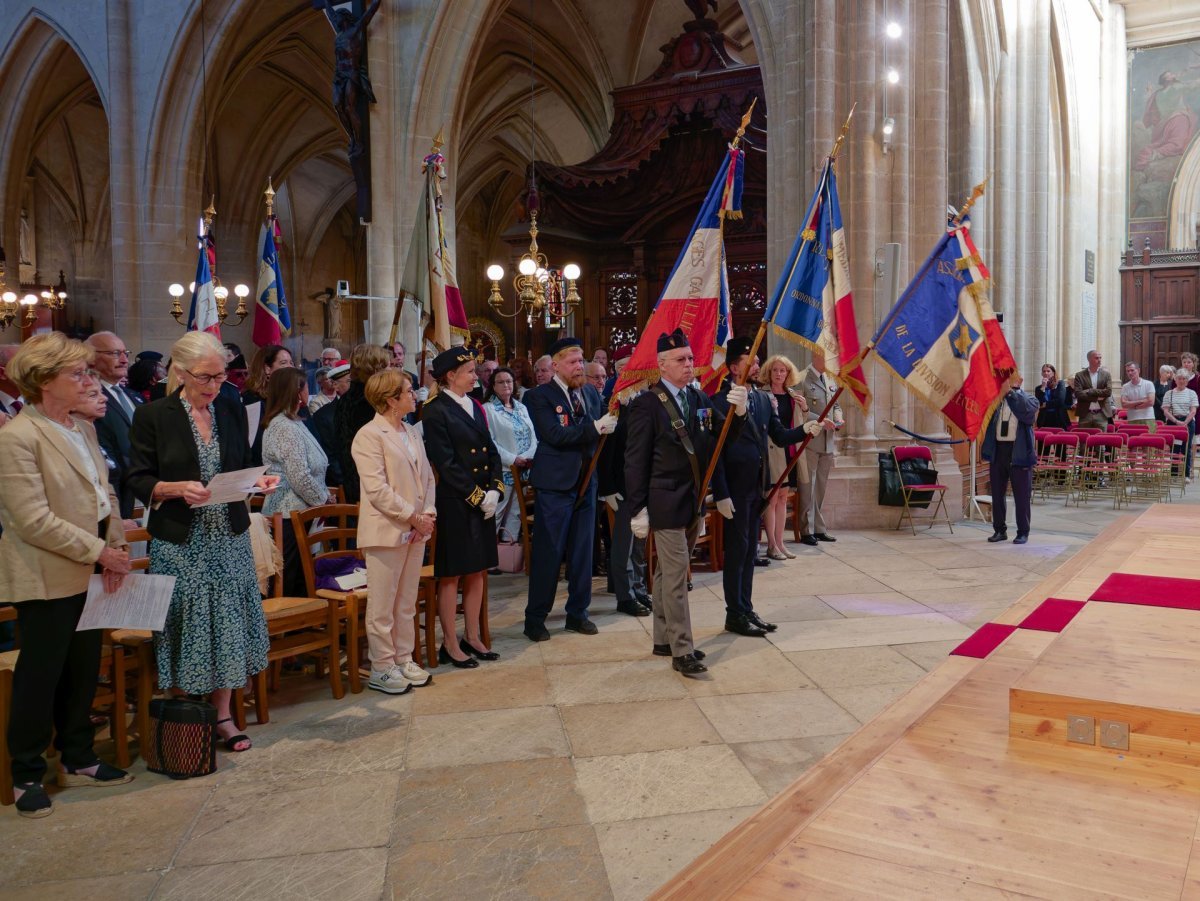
822 536
688 665
742 626
689 584
444 657
760 622
582 626
633 609
664 650
536 633
646 602
997 536
468 649
762 561
810 540
1020 539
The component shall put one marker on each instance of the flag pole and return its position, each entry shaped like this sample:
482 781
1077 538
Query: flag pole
976 193
737 139
761 333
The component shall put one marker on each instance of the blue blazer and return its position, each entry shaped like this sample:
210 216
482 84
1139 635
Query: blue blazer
1024 408
565 443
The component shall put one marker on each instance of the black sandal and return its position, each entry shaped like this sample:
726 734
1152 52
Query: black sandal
232 742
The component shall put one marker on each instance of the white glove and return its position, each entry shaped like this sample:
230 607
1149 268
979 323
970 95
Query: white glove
422 395
738 397
813 427
606 424
640 524
490 501
725 507
613 500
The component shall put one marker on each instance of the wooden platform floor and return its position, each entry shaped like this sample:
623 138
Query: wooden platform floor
933 799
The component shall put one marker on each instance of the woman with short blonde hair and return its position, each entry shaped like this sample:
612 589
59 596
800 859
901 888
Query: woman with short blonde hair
61 520
396 517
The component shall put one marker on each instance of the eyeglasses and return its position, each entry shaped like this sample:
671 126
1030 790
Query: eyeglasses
115 354
208 379
79 375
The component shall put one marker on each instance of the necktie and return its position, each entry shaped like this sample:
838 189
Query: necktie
577 405
681 399
16 406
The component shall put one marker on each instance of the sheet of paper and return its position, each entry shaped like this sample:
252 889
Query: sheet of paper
253 415
140 603
353 580
228 487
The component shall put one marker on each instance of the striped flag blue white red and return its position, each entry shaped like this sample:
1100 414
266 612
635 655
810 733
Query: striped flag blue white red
942 339
271 318
696 296
202 314
813 303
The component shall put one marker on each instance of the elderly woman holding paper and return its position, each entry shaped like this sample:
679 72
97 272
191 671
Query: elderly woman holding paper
215 636
61 522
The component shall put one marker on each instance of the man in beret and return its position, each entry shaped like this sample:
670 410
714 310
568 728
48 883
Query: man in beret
748 474
673 431
568 419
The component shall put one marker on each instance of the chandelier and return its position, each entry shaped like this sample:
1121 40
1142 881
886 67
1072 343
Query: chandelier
52 298
176 290
542 290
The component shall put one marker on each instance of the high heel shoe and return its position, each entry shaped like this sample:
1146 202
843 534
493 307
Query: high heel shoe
467 648
444 657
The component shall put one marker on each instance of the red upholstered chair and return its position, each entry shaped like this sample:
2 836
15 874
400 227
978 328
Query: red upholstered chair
1058 464
1101 469
920 496
1148 466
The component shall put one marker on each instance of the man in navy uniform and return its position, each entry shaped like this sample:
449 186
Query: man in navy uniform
673 430
568 419
748 475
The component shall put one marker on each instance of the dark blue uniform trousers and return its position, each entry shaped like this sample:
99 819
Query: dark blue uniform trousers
741 547
559 530
1002 473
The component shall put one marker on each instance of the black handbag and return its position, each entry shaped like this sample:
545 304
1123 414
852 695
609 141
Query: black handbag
912 472
182 742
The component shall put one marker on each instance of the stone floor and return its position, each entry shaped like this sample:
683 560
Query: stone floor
581 767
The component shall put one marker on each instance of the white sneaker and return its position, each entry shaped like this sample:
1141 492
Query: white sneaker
413 674
390 681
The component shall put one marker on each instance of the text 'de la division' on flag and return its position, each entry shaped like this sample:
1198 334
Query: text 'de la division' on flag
271 317
942 338
813 302
696 296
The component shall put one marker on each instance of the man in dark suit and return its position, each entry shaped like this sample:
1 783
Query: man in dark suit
112 365
568 419
748 475
673 432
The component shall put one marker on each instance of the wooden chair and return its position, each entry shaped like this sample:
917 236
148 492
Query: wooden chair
8 660
427 604
297 626
335 536
925 493
525 502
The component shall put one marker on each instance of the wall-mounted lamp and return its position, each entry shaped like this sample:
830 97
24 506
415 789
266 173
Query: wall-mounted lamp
889 127
893 30
893 76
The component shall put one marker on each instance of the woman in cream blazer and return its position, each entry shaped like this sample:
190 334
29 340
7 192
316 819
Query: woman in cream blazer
61 522
395 519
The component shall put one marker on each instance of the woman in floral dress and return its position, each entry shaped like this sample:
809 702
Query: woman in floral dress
215 636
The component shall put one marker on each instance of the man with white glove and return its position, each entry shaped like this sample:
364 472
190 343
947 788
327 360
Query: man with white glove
606 424
422 394
748 475
738 398
489 503
613 501
568 419
725 508
672 433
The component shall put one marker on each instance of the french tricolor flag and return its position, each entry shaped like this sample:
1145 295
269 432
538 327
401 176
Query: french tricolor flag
696 296
202 315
